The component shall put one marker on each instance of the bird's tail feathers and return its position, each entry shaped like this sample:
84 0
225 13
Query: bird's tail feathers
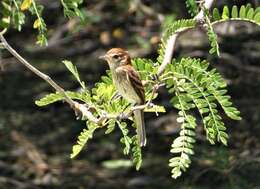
140 127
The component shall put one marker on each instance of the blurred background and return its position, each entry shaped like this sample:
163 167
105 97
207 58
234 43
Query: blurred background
35 143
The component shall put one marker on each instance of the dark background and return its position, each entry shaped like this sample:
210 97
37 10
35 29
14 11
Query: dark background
35 143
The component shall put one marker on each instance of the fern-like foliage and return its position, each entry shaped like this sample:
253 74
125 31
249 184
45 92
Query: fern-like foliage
197 87
194 86
178 26
126 140
192 7
170 29
83 138
136 153
183 145
246 13
212 36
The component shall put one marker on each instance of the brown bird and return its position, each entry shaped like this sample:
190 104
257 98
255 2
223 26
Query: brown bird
128 85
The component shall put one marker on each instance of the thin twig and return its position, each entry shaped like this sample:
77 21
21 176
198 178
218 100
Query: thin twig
35 70
75 105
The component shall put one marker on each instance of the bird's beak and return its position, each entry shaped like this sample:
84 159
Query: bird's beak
103 57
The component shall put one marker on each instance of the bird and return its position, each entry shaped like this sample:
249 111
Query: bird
128 84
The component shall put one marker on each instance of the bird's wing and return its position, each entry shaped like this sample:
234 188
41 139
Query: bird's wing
133 77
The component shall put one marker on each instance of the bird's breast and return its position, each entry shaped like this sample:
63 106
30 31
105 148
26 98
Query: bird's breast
124 88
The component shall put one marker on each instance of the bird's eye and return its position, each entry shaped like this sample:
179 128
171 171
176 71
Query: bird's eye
116 56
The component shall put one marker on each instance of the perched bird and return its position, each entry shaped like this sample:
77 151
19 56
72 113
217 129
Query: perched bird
128 85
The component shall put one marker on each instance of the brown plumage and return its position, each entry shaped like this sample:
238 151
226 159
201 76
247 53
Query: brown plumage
128 84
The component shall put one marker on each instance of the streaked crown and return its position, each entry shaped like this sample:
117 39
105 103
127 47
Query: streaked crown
118 56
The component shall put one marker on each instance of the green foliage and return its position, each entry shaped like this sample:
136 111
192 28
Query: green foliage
192 7
246 13
126 140
39 23
196 87
212 36
55 97
136 153
74 71
5 14
177 26
183 145
11 14
83 138
71 8
99 98
170 29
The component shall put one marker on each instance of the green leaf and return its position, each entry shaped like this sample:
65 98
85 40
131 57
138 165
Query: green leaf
242 12
176 172
234 12
250 14
257 17
83 138
225 13
74 71
110 126
54 97
216 15
26 4
5 22
36 24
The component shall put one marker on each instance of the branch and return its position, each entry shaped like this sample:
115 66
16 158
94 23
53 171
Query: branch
207 4
75 105
170 45
35 70
82 109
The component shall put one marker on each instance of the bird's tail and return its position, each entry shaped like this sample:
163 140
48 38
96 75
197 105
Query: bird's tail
140 127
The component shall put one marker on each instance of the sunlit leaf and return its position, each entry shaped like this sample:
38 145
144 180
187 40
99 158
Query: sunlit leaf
26 4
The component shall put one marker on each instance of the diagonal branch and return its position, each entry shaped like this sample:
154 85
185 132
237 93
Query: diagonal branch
75 105
81 109
35 70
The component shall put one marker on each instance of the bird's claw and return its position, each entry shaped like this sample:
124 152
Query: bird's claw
77 110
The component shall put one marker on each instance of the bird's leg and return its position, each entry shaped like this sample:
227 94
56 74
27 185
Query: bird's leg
77 111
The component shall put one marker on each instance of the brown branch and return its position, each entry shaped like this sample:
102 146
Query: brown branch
35 70
76 106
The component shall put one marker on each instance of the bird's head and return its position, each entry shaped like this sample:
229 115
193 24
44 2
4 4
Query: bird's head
116 57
